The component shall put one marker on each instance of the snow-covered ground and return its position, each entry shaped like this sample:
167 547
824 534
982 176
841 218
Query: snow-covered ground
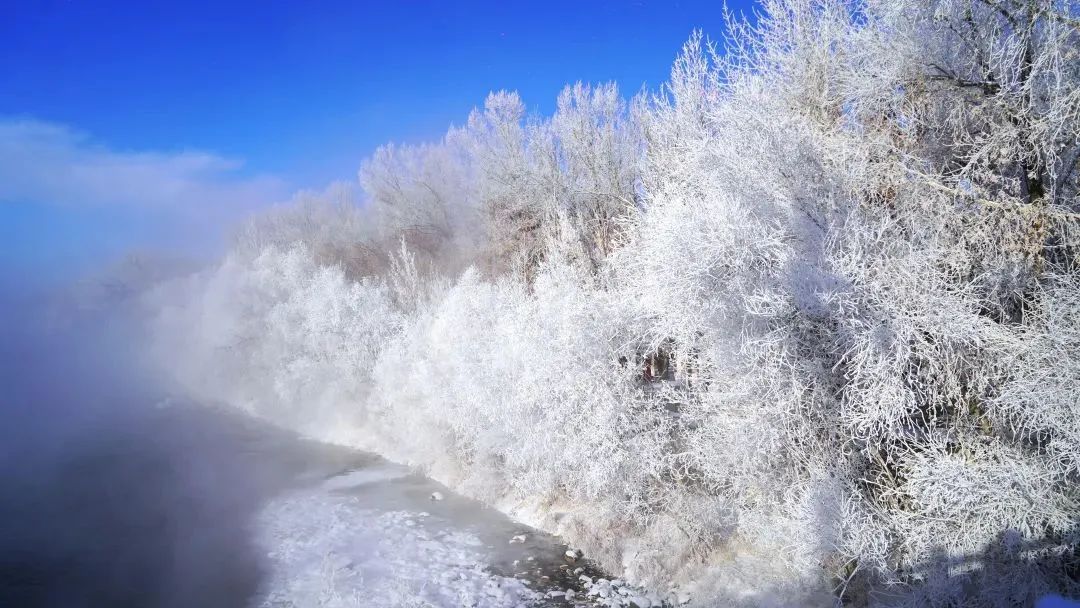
327 550
379 535
382 536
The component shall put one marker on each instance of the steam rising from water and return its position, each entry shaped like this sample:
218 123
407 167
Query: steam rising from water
106 501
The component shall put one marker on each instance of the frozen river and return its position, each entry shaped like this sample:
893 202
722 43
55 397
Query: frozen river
184 505
344 528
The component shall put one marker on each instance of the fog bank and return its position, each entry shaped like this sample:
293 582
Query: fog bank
105 499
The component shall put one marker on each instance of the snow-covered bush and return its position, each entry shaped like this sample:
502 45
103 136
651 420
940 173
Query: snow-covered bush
279 336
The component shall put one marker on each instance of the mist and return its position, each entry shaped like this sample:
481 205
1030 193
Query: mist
111 494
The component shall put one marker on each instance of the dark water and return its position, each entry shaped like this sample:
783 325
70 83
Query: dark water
128 517
105 499
114 495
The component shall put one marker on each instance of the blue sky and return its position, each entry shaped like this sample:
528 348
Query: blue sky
231 105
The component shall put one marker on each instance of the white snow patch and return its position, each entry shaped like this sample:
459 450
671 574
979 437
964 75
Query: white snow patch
326 550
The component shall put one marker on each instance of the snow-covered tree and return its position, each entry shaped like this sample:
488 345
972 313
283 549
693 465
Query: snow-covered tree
425 195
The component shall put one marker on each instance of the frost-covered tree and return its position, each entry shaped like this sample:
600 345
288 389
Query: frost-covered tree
513 215
333 225
425 195
592 152
567 182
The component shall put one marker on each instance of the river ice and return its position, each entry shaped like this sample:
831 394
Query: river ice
380 535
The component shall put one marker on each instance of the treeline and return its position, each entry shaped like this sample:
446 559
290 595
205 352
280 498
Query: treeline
802 324
492 194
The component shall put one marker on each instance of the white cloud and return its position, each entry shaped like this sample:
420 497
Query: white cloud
47 163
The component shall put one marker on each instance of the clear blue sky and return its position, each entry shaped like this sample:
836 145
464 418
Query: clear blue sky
260 98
